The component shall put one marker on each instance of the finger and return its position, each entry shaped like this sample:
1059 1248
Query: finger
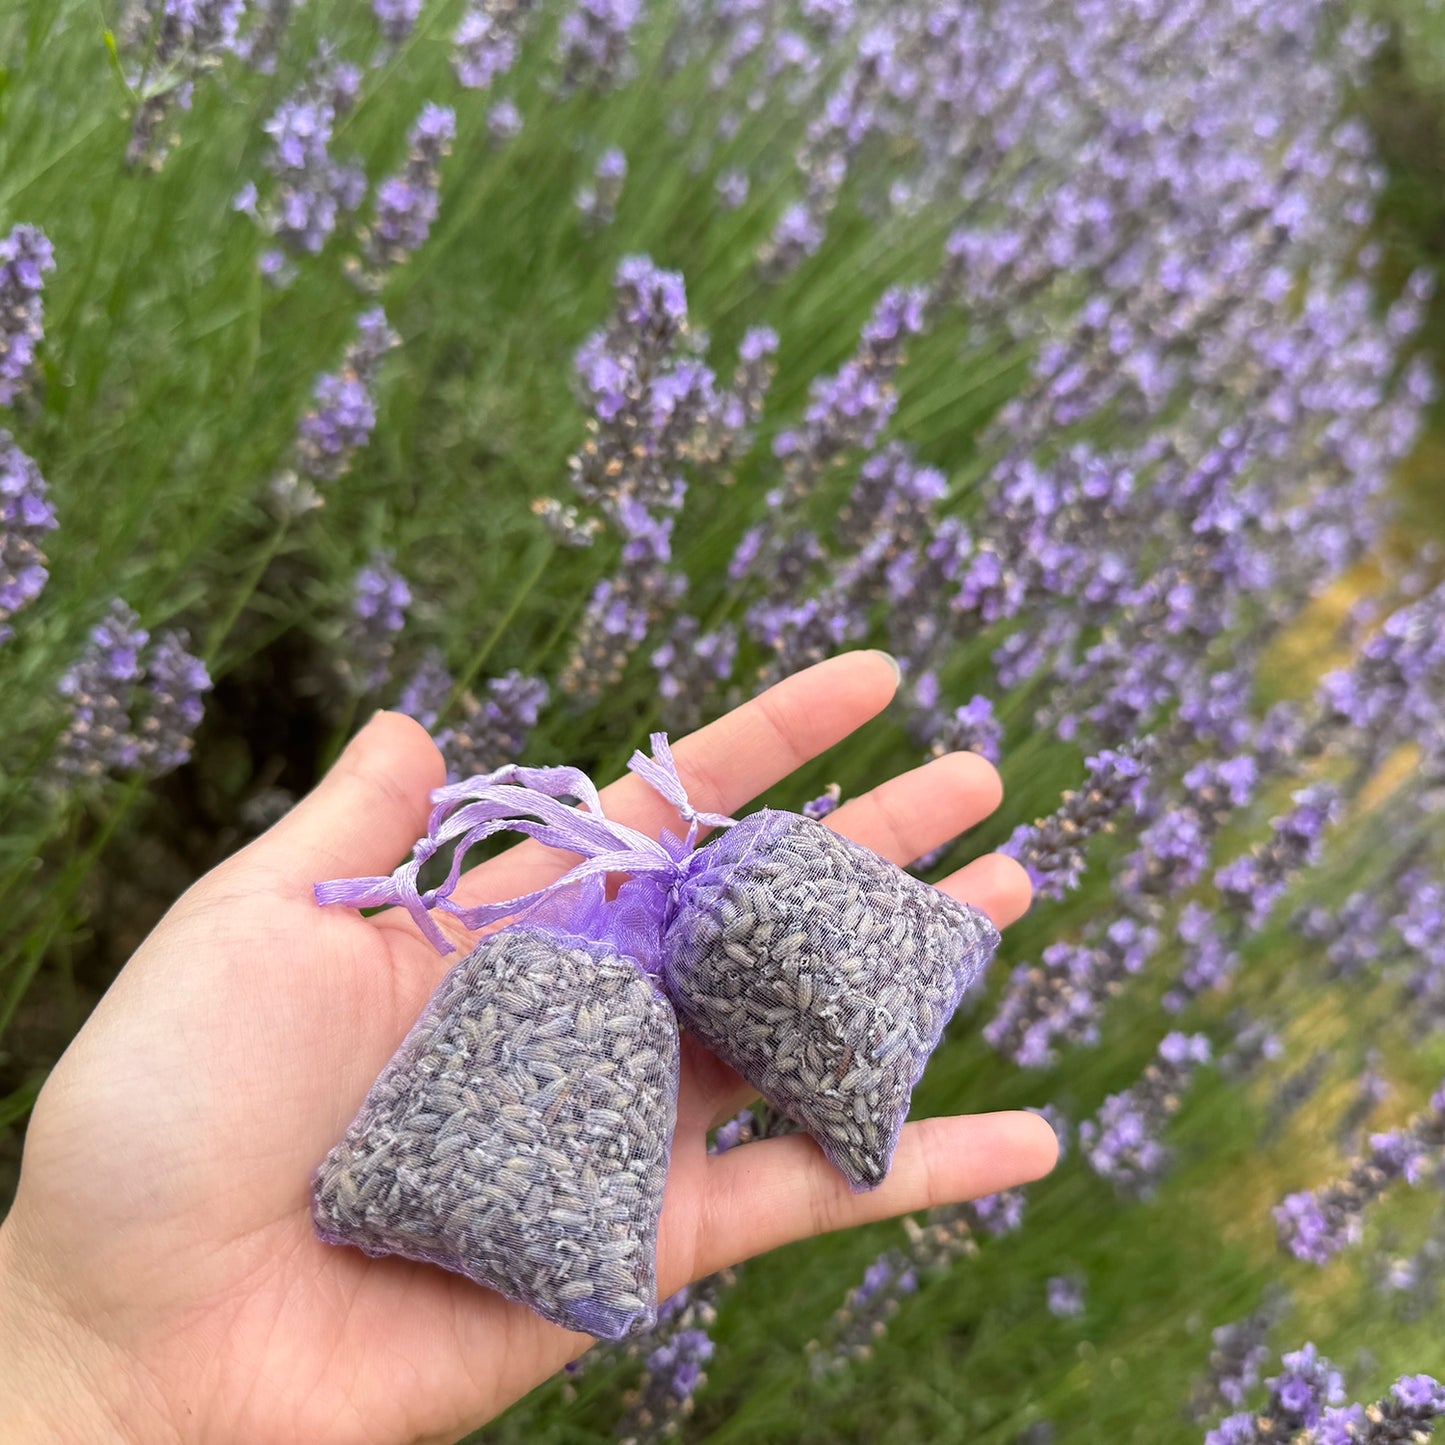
918 811
724 765
364 815
996 883
772 1193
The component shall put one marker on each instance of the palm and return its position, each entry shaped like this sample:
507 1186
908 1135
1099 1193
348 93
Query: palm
168 1163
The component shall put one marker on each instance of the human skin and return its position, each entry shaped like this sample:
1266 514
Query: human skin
159 1276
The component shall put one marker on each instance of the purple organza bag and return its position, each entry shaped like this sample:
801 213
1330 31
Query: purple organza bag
819 971
520 1135
823 974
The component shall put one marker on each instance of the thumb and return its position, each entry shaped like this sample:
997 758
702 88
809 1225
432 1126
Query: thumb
364 815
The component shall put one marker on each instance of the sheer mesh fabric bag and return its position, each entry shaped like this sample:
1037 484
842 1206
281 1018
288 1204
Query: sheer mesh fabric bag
819 971
520 1134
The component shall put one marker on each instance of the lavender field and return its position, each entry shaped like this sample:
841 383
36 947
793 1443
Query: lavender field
560 372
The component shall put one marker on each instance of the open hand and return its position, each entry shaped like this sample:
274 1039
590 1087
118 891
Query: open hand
159 1277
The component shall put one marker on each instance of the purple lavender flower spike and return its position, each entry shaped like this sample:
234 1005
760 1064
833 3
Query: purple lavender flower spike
594 43
1254 883
170 704
310 191
26 515
488 40
504 122
425 692
407 203
732 188
380 598
25 256
98 739
1052 850
259 42
1066 1296
866 1311
673 1374
826 802
1059 1001
1306 1389
1121 1142
1237 1359
493 729
691 666
342 415
395 18
972 728
597 202
178 41
1315 1225
1209 960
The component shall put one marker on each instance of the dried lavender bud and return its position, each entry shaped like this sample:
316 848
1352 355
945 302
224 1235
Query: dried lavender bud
380 597
520 1135
25 256
1121 1142
26 515
823 974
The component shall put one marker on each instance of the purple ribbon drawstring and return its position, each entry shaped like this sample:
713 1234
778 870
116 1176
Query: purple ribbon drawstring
528 801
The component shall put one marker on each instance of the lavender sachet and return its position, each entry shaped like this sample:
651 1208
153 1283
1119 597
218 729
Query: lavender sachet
520 1134
819 971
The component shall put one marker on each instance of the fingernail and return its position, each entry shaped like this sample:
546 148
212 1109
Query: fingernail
892 662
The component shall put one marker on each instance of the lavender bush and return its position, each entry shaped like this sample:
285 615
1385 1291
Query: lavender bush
551 371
